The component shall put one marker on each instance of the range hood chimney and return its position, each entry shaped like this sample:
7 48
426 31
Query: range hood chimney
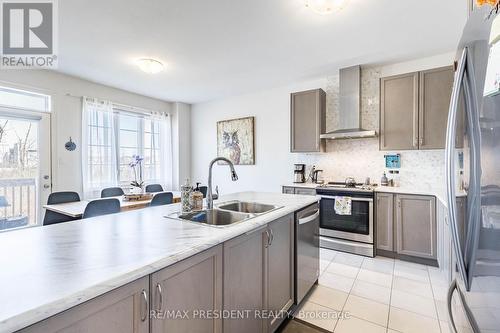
350 107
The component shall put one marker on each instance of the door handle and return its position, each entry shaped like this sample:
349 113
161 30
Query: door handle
46 186
450 165
309 218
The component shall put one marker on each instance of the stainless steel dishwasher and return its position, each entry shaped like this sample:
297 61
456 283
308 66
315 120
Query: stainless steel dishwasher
307 250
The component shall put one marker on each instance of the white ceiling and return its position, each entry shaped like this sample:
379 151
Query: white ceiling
218 48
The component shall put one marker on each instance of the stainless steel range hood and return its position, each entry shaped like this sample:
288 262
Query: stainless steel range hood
350 107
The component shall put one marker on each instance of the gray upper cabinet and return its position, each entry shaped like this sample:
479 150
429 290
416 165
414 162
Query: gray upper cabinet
125 309
243 280
193 285
399 112
434 103
416 232
307 112
280 261
414 110
385 221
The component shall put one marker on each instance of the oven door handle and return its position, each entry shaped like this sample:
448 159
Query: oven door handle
352 198
309 218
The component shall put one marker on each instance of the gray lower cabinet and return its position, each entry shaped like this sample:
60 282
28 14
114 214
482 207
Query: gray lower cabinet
258 276
299 190
416 226
305 191
193 285
280 270
385 221
122 310
243 280
307 111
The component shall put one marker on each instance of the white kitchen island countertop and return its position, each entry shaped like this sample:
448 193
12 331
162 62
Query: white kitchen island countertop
46 270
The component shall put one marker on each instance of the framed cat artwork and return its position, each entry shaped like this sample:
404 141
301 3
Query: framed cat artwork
235 140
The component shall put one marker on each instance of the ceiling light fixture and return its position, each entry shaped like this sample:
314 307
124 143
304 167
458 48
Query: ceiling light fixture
324 7
150 66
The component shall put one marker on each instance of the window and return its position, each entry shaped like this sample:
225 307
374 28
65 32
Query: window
138 135
113 137
25 100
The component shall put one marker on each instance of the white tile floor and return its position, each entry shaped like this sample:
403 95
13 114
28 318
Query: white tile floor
358 294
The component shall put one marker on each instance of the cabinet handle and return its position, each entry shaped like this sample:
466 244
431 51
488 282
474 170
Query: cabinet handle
272 237
422 141
268 237
144 314
399 203
160 298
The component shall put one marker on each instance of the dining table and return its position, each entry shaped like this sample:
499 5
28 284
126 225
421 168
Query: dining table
76 208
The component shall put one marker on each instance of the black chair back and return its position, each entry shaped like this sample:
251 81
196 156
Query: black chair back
111 192
203 189
154 188
101 207
160 199
57 198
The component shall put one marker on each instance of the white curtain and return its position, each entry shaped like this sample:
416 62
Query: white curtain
166 164
99 156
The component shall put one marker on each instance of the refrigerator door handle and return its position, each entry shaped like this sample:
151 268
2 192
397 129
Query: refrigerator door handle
450 165
468 313
449 298
475 171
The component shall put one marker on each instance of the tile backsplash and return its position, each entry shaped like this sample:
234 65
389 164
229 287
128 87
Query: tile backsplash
361 158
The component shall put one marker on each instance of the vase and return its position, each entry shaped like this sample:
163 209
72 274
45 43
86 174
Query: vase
136 190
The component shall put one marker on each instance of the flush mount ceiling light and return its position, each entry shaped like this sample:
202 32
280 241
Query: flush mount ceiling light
324 7
150 66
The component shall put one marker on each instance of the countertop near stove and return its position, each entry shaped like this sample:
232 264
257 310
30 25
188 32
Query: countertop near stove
439 193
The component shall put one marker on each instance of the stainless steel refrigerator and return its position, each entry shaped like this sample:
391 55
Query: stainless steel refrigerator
474 294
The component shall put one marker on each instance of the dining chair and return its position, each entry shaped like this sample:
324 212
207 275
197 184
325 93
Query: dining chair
52 217
160 199
154 188
111 192
101 207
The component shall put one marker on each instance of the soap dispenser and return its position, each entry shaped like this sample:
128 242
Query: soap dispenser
197 198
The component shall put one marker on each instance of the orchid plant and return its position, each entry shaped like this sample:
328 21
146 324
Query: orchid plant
137 162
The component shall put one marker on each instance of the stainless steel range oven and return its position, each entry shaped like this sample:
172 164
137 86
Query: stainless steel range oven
349 233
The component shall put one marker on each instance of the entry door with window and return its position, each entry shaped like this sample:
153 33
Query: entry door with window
25 177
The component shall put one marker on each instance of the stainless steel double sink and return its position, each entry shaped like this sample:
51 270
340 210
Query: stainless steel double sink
227 213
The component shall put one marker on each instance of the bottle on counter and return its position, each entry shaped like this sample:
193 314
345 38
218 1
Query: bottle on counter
396 180
390 178
197 199
384 181
186 190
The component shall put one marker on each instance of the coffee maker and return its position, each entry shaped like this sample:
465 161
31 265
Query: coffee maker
299 173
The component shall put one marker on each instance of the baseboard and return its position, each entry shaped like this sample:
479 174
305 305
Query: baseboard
417 260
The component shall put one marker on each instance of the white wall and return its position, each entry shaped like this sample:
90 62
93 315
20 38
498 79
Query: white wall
182 143
274 162
66 115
